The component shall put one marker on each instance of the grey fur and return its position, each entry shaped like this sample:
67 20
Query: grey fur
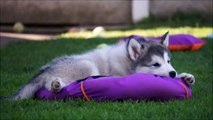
111 60
151 48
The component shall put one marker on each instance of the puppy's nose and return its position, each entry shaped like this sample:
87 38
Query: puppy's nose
172 74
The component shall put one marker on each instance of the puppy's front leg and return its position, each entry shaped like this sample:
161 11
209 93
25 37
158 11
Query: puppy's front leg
188 78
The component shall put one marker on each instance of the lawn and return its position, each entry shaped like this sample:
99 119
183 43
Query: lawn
20 61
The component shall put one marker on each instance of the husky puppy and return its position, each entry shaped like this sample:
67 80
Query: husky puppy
120 59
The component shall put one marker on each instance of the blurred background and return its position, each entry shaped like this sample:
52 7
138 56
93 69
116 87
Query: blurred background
33 32
119 13
72 16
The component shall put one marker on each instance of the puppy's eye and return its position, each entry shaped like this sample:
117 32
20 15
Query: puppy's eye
156 65
168 61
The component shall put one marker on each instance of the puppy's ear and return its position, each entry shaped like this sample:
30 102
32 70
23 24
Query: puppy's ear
133 49
165 39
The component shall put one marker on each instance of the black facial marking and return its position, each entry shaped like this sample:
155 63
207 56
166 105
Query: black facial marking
153 48
156 65
142 46
168 61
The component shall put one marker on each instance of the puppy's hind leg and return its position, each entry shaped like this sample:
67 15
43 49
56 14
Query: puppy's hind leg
55 85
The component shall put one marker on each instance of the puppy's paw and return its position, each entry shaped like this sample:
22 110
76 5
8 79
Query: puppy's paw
188 78
56 85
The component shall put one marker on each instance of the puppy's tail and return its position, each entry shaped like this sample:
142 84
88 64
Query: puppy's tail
29 89
5 97
25 92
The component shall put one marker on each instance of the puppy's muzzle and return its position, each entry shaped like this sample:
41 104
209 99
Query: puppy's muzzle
172 74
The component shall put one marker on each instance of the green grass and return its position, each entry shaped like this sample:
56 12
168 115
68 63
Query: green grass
20 61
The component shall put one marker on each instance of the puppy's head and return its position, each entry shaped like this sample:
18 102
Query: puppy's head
151 56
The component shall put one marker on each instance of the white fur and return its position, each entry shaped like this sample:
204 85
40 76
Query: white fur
134 49
189 78
115 60
164 68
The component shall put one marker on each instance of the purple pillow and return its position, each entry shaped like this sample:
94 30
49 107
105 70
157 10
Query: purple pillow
176 42
134 87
